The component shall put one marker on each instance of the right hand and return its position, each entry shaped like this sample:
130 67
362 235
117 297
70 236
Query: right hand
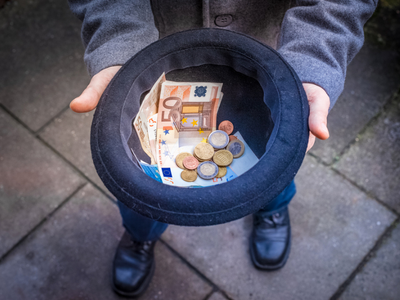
89 98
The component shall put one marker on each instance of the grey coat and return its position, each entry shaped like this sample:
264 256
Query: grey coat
318 38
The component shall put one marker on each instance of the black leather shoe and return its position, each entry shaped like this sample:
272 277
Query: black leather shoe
270 240
133 266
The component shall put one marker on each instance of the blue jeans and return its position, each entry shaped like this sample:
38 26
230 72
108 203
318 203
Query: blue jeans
144 229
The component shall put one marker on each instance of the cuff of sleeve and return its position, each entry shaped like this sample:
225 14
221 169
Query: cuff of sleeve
312 70
112 53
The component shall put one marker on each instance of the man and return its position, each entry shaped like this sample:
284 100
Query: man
318 39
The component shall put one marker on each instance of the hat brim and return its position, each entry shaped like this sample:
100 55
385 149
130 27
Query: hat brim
284 150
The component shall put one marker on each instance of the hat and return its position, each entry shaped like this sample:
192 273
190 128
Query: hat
263 98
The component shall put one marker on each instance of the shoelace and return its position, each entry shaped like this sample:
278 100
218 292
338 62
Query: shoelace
268 220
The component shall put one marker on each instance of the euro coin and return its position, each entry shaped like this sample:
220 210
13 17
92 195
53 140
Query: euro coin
236 147
207 170
189 175
190 162
204 151
232 138
179 159
223 158
226 126
218 139
221 172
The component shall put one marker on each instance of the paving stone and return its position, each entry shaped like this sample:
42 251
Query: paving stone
334 225
69 134
70 257
379 279
41 59
372 77
374 161
217 296
33 182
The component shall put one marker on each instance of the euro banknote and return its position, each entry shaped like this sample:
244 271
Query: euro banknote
187 114
147 109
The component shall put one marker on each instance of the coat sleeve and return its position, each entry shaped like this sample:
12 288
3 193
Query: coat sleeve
113 31
319 39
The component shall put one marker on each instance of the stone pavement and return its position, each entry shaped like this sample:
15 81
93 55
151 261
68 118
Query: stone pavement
59 226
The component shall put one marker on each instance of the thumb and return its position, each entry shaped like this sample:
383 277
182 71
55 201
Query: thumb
319 103
90 97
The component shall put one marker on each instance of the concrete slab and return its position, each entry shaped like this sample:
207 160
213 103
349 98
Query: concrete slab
69 134
334 225
372 77
41 59
374 161
33 182
379 279
70 257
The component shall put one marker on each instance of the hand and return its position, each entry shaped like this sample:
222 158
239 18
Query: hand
319 103
89 98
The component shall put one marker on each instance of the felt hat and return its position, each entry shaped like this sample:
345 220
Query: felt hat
263 98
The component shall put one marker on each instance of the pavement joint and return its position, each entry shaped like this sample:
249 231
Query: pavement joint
39 131
210 294
216 288
365 260
369 194
43 221
58 154
370 123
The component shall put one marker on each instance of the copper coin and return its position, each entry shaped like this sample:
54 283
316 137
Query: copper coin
232 138
190 162
226 126
179 159
189 175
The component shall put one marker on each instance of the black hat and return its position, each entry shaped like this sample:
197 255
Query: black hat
263 98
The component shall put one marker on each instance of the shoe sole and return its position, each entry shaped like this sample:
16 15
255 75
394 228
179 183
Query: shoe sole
270 267
141 290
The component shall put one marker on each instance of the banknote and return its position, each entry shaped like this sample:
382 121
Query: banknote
151 170
148 108
187 114
152 133
171 175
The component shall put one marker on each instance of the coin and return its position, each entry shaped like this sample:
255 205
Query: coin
190 162
218 139
223 158
179 159
236 147
221 172
226 126
207 170
204 151
189 175
232 138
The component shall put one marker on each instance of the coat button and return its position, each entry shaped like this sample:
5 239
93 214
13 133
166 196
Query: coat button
223 20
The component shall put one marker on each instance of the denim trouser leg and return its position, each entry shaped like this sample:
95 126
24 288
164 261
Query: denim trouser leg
144 229
140 228
282 199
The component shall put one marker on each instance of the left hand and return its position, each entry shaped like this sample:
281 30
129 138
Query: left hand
319 103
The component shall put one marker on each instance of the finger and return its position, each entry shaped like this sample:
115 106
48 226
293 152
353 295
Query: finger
90 97
311 141
319 103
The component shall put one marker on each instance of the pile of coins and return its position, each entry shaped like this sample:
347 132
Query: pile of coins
209 160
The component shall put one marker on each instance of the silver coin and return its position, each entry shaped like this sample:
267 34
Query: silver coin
236 147
218 139
207 170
